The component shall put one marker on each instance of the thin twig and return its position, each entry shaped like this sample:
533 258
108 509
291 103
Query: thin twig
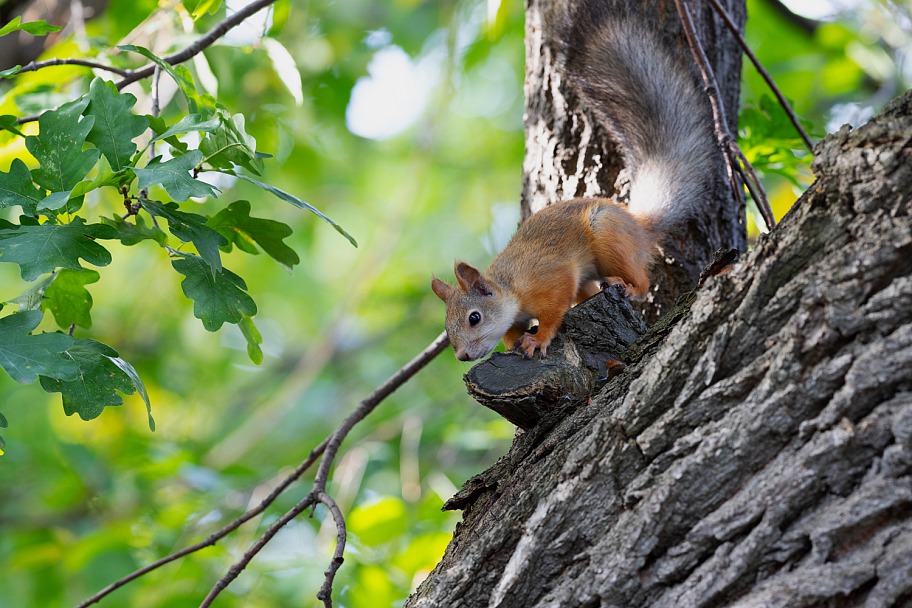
217 31
217 536
364 408
130 76
725 139
235 570
34 66
325 593
720 10
156 78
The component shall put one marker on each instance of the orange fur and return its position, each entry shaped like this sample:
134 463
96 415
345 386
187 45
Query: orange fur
556 259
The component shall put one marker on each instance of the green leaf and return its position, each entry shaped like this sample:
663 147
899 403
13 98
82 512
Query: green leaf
254 339
235 224
297 202
10 123
217 299
130 233
230 145
190 228
174 176
68 299
182 76
96 384
130 371
115 123
189 124
35 28
58 147
41 249
16 188
10 72
24 356
198 8
31 298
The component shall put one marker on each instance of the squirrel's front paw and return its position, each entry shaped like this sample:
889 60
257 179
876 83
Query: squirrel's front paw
528 344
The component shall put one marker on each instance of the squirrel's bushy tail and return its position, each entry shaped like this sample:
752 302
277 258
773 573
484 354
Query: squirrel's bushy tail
646 97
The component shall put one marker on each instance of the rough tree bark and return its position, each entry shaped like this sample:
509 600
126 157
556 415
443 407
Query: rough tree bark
757 452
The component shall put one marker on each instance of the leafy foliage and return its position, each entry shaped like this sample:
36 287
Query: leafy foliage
98 132
35 28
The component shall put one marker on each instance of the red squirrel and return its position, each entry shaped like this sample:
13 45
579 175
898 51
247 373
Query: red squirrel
644 94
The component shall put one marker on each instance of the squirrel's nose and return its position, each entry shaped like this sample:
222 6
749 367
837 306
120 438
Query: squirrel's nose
462 356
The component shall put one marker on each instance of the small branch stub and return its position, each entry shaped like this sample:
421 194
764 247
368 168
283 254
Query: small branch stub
593 335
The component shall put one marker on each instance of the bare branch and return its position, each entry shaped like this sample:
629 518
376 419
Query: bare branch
217 31
720 10
217 536
318 492
131 76
325 593
37 65
724 137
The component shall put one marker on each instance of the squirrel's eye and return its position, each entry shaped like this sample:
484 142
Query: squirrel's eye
474 318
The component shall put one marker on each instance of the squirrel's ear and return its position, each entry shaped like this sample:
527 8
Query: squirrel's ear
442 290
470 279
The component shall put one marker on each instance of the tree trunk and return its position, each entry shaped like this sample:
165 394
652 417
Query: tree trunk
757 453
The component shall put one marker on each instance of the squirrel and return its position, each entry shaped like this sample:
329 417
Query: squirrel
648 100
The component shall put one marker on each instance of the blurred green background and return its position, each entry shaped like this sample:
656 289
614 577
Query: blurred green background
401 120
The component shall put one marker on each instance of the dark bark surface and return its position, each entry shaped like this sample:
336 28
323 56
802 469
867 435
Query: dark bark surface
568 154
757 453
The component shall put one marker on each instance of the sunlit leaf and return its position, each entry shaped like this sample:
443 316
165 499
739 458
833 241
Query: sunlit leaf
254 339
217 298
35 28
43 248
68 299
130 371
115 124
189 124
198 104
10 123
235 224
24 355
378 521
31 298
58 147
230 145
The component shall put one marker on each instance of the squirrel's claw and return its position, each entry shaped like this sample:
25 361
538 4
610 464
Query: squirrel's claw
529 343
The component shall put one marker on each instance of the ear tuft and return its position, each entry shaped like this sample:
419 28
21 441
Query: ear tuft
440 288
471 280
